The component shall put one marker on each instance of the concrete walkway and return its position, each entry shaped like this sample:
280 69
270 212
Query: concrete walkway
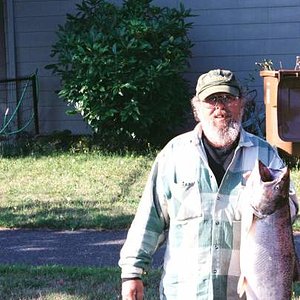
69 248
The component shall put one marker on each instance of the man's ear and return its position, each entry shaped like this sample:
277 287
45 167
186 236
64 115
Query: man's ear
195 103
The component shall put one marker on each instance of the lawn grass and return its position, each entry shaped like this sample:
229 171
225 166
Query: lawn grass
71 191
67 283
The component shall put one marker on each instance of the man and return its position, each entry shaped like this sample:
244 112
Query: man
191 200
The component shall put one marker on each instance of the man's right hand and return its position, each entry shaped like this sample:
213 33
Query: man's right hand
133 289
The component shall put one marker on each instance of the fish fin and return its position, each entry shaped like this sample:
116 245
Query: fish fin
296 268
241 288
264 172
248 221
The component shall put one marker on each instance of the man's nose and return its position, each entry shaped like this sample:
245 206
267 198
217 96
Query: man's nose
219 104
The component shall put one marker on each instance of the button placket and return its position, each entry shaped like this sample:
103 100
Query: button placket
216 247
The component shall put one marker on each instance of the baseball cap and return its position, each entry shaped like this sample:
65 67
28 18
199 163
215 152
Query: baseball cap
217 81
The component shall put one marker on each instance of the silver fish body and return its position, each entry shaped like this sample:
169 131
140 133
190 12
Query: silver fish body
267 254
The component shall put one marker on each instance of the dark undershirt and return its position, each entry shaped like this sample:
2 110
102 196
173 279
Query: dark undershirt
218 158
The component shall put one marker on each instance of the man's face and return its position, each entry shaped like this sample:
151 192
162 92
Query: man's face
220 115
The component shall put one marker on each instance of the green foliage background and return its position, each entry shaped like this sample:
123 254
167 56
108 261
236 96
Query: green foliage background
121 67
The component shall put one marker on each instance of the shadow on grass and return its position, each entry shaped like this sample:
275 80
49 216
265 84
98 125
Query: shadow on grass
23 282
43 216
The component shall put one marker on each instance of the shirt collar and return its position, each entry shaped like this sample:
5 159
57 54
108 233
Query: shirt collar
245 140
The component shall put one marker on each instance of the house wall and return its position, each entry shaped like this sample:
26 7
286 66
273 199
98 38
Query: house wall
35 25
237 34
2 43
230 34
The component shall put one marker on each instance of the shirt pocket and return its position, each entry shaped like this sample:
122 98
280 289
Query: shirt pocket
186 201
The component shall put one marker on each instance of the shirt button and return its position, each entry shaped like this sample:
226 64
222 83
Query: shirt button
217 223
215 271
216 247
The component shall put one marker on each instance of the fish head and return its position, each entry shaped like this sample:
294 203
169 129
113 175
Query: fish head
270 189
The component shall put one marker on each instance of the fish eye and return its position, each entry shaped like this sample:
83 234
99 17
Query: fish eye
276 187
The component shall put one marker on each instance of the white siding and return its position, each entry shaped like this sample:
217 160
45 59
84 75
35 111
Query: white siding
231 34
236 34
35 25
2 43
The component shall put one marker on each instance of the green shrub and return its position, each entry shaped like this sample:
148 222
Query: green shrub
121 68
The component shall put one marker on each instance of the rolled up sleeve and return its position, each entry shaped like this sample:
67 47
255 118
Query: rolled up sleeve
147 231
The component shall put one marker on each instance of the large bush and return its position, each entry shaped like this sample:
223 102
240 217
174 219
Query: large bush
121 68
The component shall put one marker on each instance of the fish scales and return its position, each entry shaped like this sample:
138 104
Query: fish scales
267 254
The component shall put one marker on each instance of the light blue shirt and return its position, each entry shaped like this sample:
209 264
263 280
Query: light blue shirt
200 221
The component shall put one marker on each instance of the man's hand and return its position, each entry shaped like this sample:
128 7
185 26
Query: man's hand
133 290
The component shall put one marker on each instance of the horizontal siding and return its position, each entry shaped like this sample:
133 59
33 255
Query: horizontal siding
230 34
39 23
262 47
52 83
27 68
34 54
237 16
253 31
44 8
231 4
37 39
245 63
2 43
55 115
36 23
236 34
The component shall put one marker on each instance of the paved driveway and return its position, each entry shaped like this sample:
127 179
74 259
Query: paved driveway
69 248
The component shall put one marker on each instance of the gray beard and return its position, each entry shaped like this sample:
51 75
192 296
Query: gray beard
224 137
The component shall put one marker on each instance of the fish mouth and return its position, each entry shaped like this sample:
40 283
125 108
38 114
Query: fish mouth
258 213
266 211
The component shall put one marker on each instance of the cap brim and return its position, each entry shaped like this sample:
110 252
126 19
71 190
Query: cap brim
219 89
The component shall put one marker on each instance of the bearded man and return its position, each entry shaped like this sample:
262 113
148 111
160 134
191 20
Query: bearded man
191 200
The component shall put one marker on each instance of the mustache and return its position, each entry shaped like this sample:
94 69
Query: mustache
222 113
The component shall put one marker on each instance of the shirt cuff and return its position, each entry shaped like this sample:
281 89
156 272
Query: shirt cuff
131 272
133 278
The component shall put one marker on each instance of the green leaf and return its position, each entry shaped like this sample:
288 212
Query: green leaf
121 66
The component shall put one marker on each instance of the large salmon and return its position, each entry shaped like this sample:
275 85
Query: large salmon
267 256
